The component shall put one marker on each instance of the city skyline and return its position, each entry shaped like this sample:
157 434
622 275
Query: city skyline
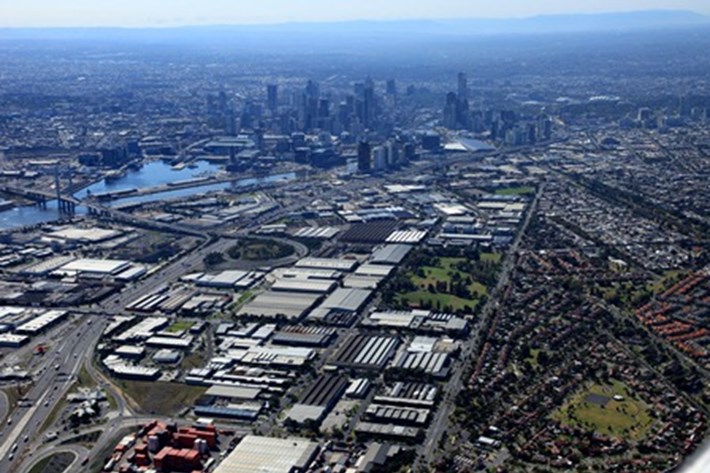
161 13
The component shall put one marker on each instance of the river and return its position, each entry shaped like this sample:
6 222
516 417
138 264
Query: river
152 174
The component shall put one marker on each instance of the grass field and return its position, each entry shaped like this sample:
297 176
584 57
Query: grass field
521 190
668 279
420 298
161 398
260 250
56 463
446 272
628 419
179 326
492 257
629 295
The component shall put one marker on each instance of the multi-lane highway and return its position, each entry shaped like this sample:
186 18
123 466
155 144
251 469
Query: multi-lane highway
51 383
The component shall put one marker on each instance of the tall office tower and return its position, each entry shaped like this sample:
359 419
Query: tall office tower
392 150
463 86
272 97
364 157
685 105
379 158
368 102
312 89
450 110
230 122
392 88
323 108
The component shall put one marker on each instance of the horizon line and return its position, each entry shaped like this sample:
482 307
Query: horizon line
159 26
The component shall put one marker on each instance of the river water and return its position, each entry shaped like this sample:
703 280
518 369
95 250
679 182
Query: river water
151 174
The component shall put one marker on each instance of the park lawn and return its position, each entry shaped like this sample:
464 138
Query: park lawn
414 299
520 190
180 326
443 273
628 419
160 398
666 281
492 257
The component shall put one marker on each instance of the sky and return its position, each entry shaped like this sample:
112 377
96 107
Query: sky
162 13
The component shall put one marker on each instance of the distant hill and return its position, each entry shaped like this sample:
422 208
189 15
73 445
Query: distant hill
631 21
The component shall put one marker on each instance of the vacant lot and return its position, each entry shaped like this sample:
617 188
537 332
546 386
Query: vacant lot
161 398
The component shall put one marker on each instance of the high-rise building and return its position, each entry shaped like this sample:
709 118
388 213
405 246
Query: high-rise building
272 97
450 110
463 86
364 157
312 89
379 158
391 87
368 102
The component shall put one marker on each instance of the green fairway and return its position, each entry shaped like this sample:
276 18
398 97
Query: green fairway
628 419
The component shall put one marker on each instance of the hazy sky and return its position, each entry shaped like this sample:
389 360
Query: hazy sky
187 12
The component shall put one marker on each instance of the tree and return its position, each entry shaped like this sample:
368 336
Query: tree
213 259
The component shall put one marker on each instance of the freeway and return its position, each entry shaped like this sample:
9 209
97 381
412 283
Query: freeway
170 272
51 384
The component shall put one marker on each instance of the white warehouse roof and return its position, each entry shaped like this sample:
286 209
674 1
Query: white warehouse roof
99 266
269 455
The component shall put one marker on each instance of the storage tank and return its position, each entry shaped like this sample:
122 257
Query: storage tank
202 447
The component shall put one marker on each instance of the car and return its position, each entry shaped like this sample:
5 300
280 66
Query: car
27 438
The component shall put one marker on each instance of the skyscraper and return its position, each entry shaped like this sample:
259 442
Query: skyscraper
272 97
368 102
364 157
463 86
391 87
